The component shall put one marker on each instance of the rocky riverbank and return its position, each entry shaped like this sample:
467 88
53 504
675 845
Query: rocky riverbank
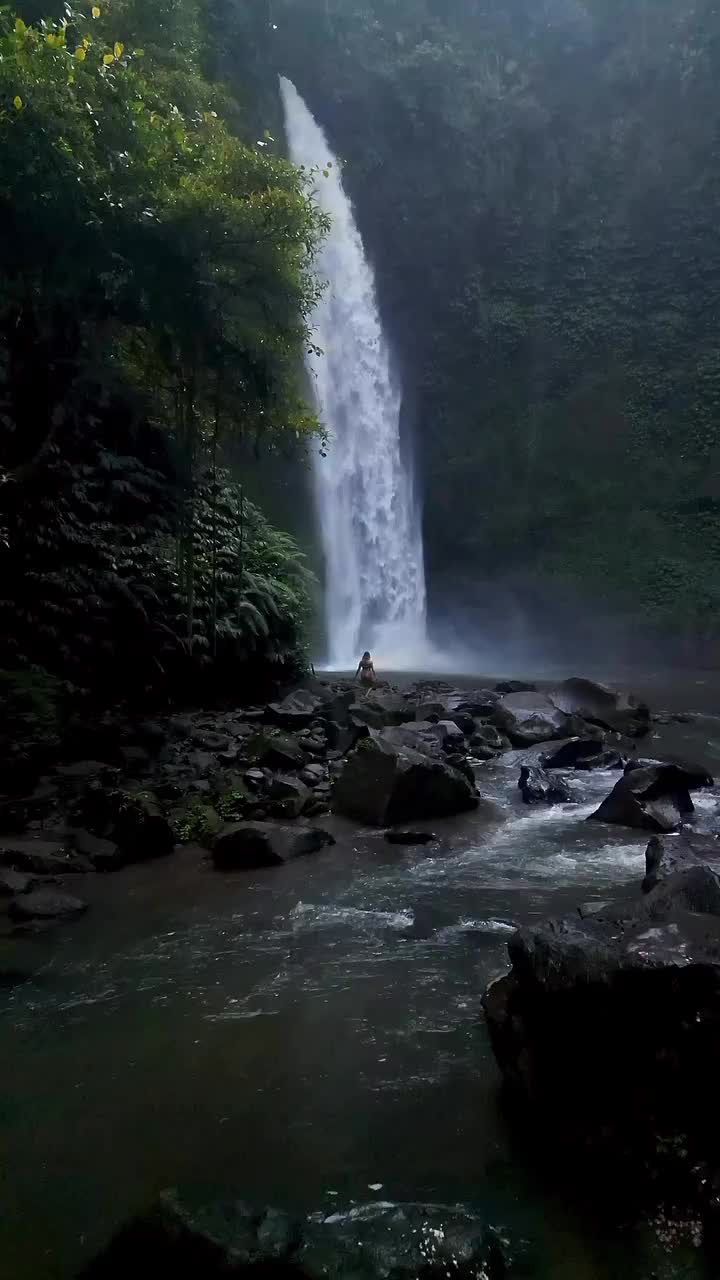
249 785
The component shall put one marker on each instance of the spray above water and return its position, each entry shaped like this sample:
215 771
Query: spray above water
369 521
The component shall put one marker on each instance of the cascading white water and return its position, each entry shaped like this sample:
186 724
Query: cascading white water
370 525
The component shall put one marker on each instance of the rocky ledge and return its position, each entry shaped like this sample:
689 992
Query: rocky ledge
607 1032
368 1242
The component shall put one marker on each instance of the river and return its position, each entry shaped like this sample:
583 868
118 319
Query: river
308 1036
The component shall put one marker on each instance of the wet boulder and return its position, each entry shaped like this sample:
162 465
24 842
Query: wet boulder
654 798
572 753
539 787
515 686
140 828
343 737
246 846
288 796
487 741
603 706
382 708
368 1242
694 776
104 855
41 857
530 718
667 854
12 882
296 711
45 904
271 750
410 837
422 736
384 784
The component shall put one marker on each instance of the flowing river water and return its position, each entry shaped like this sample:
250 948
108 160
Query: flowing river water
309 1035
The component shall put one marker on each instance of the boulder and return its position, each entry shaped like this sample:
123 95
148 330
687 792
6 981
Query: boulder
602 706
607 1032
667 854
383 784
410 837
296 711
572 753
103 854
342 738
245 846
486 738
12 882
655 798
422 736
515 686
141 829
366 1242
274 751
694 776
539 787
41 857
45 904
381 708
530 718
288 796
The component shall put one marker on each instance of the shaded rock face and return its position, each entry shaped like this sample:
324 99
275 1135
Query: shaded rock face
578 753
296 711
607 1032
383 785
249 845
369 1242
539 787
529 718
410 837
654 798
45 904
602 706
666 855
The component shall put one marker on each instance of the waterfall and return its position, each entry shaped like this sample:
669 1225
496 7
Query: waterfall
369 521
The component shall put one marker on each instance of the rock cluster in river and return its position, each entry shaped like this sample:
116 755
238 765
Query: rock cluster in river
231 781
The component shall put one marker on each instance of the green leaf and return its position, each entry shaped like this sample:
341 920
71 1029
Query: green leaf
118 49
18 102
108 58
96 11
81 53
20 26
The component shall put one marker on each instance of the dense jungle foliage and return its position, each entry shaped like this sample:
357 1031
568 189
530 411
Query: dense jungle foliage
155 287
554 167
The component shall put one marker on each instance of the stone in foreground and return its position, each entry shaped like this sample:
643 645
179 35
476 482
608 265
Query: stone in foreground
368 1242
410 837
538 787
246 846
385 785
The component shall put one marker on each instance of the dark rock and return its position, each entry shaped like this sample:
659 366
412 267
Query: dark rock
460 762
249 845
296 711
136 761
141 829
381 708
410 837
478 703
342 738
573 752
693 776
486 740
337 708
668 854
530 718
377 1241
288 796
103 854
655 798
255 778
515 686
12 882
538 787
274 751
422 736
208 740
433 711
201 762
45 904
382 785
41 857
603 760
602 706
312 774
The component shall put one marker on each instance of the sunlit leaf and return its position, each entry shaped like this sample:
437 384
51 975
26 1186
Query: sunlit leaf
18 102
139 53
96 11
108 58
118 49
20 26
81 53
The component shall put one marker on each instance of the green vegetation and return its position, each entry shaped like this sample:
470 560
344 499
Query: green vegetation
155 287
554 168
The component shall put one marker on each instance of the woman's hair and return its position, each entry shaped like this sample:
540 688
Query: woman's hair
366 655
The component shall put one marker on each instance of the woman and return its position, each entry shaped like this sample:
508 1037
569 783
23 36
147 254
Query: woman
366 671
